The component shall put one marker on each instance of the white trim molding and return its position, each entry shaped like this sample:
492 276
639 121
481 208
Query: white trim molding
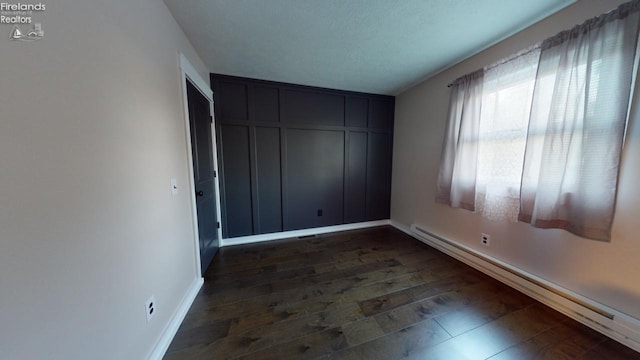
189 73
297 233
193 75
608 321
162 345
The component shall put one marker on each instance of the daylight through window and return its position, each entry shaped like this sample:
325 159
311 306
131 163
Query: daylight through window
537 137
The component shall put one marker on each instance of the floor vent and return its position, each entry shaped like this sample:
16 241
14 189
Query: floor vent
308 236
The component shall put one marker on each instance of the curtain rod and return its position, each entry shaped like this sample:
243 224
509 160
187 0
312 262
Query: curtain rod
617 13
504 60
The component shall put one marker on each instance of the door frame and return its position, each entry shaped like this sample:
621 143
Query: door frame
189 73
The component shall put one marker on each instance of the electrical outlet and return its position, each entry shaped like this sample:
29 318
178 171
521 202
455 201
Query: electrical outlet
150 308
319 212
485 239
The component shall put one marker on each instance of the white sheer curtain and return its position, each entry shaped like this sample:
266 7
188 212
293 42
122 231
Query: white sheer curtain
538 136
457 178
506 100
577 125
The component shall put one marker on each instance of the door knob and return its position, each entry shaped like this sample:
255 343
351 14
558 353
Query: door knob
199 193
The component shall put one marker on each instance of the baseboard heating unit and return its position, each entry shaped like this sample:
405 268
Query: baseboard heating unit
610 322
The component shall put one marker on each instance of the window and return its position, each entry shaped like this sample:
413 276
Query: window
537 137
506 100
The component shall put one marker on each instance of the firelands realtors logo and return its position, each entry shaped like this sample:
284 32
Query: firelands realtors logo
21 15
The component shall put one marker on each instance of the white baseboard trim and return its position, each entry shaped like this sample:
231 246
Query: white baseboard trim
171 329
610 322
295 233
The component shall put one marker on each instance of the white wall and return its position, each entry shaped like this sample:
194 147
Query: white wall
91 131
605 272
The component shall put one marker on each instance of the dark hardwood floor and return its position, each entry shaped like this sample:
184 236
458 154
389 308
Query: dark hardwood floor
370 294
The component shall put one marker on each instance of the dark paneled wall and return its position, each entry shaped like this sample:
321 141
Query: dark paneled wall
295 157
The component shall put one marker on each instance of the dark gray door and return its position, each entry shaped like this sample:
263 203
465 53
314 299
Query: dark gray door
203 174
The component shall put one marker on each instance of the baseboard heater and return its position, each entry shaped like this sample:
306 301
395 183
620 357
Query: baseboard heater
422 233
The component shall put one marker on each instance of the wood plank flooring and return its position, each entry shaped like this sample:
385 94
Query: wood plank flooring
370 294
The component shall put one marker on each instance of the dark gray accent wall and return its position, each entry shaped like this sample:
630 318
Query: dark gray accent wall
378 176
315 108
295 157
268 174
237 180
356 178
315 173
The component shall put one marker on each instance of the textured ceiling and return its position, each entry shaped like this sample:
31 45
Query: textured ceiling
375 46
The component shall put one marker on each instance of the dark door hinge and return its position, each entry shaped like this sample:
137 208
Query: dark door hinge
218 225
211 117
215 173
